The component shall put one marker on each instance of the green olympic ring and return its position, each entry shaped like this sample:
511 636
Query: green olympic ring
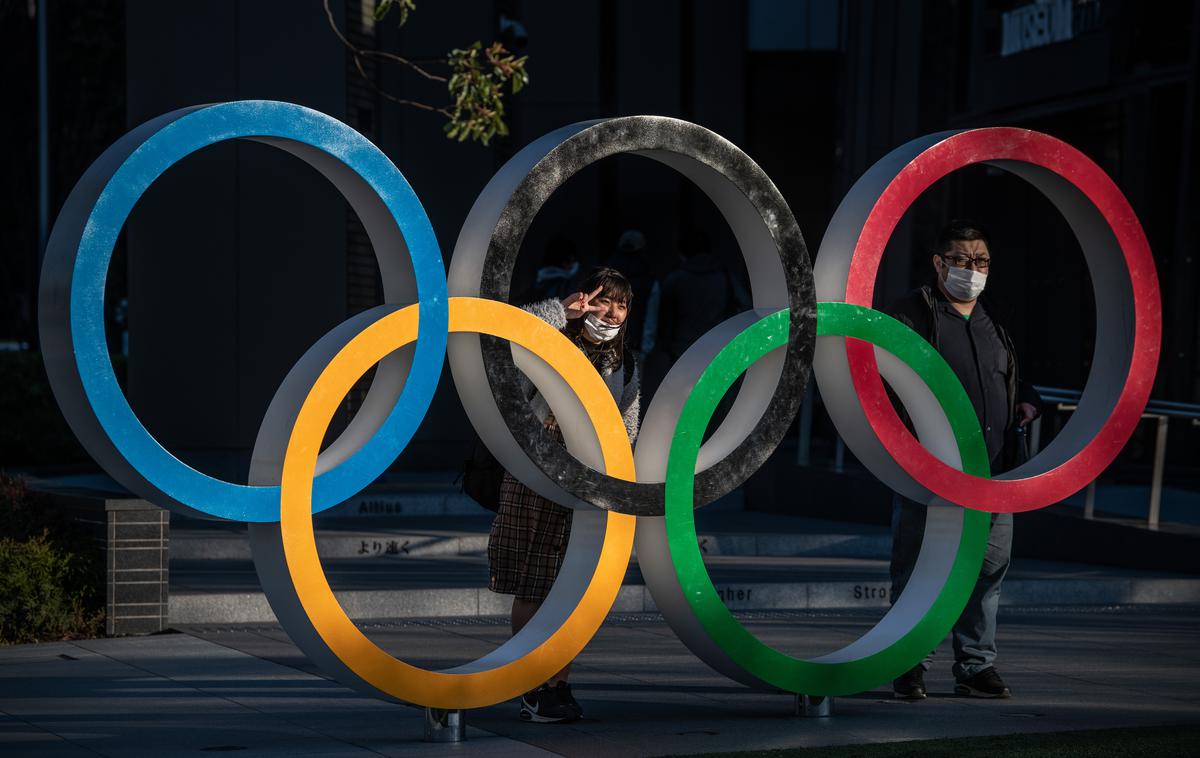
832 674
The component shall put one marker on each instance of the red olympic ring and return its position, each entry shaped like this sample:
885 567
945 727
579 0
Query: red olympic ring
1007 144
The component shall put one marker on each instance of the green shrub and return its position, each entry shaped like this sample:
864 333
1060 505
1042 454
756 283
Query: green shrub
45 592
51 576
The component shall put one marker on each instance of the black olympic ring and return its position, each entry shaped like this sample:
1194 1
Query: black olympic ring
780 273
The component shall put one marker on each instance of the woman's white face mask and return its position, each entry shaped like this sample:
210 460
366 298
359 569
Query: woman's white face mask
964 284
600 330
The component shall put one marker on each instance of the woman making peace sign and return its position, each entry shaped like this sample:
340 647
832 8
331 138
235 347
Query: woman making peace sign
530 533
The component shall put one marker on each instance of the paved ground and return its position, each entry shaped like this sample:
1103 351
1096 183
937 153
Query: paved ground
247 689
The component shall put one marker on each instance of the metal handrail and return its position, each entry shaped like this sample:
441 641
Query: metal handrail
1062 400
1160 410
1169 408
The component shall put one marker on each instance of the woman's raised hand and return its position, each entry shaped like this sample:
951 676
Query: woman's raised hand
579 304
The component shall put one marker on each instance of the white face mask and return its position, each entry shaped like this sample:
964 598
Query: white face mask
600 330
964 284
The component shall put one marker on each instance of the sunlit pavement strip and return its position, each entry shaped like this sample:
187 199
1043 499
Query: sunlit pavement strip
222 688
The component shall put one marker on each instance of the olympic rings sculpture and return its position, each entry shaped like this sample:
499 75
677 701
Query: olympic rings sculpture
623 495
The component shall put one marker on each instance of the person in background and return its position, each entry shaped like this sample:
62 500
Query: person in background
632 258
556 278
529 535
695 297
952 316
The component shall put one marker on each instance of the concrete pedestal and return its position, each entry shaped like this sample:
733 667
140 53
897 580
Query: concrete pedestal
133 536
814 706
442 725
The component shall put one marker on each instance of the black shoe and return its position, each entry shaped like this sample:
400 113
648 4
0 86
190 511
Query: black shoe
986 683
545 705
563 690
910 685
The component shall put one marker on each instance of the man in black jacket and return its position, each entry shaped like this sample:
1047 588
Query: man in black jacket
952 317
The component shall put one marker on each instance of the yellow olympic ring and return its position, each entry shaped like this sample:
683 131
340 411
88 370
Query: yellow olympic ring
448 689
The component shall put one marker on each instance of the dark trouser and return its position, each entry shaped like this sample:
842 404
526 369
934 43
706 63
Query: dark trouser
974 634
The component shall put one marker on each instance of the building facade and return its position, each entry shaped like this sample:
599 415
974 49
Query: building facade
240 258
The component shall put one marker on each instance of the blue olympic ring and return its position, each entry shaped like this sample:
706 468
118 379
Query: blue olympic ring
76 350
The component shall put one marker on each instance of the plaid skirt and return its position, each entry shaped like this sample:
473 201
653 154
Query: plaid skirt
527 543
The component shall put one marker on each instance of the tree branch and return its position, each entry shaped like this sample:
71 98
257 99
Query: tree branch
402 61
358 53
389 96
476 80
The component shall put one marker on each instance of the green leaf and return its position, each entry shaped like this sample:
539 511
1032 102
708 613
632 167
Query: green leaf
385 6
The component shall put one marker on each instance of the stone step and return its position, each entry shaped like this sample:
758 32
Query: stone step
442 497
408 501
252 607
398 542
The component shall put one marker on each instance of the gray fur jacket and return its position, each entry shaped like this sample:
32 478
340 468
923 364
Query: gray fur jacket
552 312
